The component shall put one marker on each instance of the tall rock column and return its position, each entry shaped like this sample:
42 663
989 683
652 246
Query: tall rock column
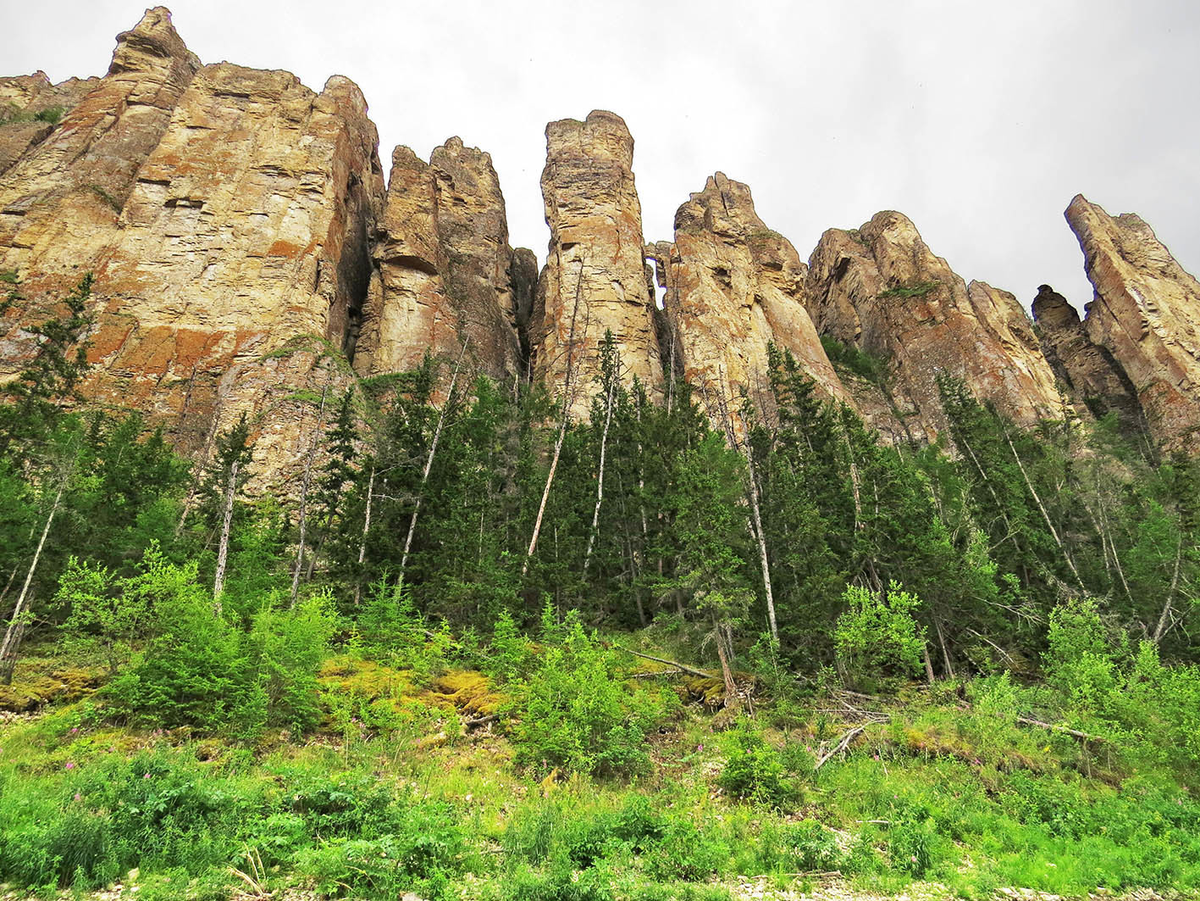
880 289
1146 313
595 275
447 278
733 288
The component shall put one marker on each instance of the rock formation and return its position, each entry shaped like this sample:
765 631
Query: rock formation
595 277
447 276
30 109
733 287
225 214
1094 379
1146 314
880 289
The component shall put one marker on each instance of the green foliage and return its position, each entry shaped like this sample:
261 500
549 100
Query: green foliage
920 289
287 649
1079 659
854 358
754 770
877 637
575 712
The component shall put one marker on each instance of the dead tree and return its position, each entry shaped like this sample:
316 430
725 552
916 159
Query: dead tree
564 420
312 452
223 548
608 408
437 434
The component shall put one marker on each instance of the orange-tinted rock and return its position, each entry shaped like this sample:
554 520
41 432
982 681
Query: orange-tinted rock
225 212
1146 313
881 289
595 275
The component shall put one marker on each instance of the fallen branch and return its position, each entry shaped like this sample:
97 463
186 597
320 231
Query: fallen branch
481 721
841 746
1086 736
675 663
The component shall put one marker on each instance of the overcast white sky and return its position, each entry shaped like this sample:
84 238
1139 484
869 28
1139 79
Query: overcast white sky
979 120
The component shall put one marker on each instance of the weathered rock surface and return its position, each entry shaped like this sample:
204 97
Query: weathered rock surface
881 289
733 287
1094 379
447 276
595 277
1146 313
225 212
23 99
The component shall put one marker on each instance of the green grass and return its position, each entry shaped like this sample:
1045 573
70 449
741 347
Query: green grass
918 290
390 794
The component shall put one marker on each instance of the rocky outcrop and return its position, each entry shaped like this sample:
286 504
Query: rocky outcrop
733 287
595 277
881 290
447 278
225 213
1146 314
31 108
1094 380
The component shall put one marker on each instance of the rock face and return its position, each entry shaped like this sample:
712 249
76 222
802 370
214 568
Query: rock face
595 279
30 108
225 213
1094 379
733 287
447 277
1146 314
880 289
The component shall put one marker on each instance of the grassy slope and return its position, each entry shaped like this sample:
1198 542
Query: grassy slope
936 796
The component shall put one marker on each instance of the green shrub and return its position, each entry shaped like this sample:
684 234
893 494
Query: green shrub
854 358
287 649
686 852
877 638
557 882
810 846
575 713
754 770
1079 660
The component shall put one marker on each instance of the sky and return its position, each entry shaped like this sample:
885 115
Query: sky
978 120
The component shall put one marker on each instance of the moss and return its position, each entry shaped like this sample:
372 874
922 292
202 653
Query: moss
106 197
918 290
364 678
32 691
467 691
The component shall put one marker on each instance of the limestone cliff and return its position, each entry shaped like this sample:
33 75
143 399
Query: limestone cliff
595 277
447 277
1146 314
880 289
225 213
733 287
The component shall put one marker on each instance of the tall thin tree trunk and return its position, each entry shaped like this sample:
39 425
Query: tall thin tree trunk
731 695
756 516
437 434
568 389
362 544
1165 616
1046 516
16 626
587 557
312 452
223 549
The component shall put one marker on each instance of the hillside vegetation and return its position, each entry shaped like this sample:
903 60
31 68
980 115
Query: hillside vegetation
482 651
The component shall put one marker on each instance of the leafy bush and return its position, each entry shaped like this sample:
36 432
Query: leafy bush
287 648
1079 659
576 714
877 637
754 770
854 358
686 852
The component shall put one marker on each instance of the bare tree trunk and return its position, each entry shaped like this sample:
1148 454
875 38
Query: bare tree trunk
16 626
362 545
937 624
587 557
1042 508
731 694
568 389
312 452
756 527
437 434
1164 618
223 549
928 663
